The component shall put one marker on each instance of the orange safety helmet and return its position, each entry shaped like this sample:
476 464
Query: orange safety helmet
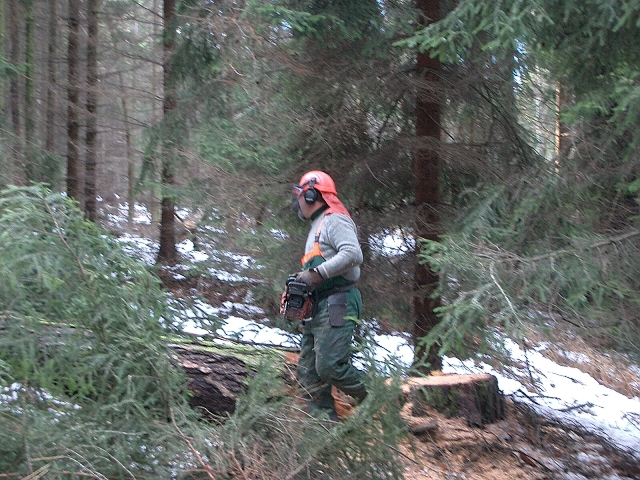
316 181
320 181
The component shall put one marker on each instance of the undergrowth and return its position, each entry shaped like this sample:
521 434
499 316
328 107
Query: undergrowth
89 387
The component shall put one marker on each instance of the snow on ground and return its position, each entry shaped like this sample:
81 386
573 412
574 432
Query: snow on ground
564 393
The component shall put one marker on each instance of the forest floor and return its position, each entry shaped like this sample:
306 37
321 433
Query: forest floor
521 446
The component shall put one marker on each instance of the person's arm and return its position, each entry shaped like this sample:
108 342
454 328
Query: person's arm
342 237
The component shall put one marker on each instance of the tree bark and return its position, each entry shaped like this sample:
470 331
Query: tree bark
73 127
426 169
167 252
3 47
49 143
152 161
475 397
216 380
91 133
13 23
563 143
131 181
29 123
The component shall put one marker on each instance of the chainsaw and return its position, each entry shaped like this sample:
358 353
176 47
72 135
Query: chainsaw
296 300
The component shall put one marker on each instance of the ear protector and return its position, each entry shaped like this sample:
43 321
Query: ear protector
311 194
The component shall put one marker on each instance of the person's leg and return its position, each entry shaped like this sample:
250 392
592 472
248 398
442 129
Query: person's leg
333 352
317 392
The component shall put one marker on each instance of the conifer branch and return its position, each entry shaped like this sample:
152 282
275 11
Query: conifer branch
206 467
507 257
495 280
41 472
238 466
59 231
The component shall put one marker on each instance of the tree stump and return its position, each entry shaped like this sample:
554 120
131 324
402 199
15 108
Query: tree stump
475 397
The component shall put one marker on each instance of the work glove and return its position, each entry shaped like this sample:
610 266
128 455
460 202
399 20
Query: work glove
311 278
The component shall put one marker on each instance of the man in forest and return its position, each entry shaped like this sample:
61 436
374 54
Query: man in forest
330 268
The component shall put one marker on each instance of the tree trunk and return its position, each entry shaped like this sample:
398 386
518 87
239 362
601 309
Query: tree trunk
474 397
73 127
563 143
155 192
3 50
13 22
131 181
49 143
91 133
29 122
426 169
167 252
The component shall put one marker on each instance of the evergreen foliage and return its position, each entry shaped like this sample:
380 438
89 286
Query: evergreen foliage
272 438
89 387
541 237
535 260
81 345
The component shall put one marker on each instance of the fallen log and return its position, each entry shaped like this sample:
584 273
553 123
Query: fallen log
218 376
219 373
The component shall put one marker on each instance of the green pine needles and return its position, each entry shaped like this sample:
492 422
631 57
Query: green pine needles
88 387
537 260
81 344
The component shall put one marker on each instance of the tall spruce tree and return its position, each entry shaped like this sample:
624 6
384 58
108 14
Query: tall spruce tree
167 252
91 133
553 242
427 172
74 189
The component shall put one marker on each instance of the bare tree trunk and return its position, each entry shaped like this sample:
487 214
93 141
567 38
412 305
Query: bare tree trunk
426 169
167 252
29 123
563 143
73 127
49 143
154 194
91 103
131 181
13 22
3 51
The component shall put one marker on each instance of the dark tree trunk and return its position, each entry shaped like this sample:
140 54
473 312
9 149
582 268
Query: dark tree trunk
49 143
131 181
151 162
91 103
13 23
3 51
29 122
563 142
426 169
167 253
73 127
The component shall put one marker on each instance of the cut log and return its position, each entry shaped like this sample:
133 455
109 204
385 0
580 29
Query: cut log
475 397
216 380
218 374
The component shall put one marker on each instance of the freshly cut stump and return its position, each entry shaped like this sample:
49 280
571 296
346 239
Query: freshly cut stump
475 397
